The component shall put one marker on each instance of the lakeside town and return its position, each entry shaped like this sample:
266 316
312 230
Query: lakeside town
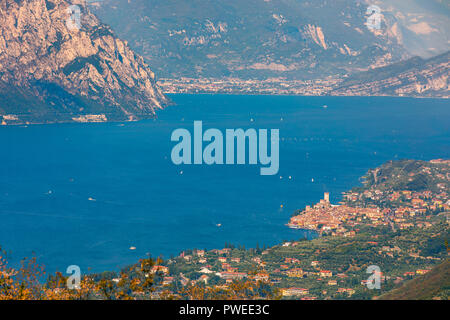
325 216
397 222
277 86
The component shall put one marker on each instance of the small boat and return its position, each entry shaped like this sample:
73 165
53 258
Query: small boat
324 106
218 225
132 248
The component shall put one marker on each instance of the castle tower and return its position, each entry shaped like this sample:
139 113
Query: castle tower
326 197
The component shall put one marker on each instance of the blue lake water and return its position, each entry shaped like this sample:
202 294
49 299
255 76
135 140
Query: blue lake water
48 173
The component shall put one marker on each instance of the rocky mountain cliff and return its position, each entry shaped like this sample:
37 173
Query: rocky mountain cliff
59 63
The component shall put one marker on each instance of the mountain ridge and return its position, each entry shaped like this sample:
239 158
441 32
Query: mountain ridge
415 77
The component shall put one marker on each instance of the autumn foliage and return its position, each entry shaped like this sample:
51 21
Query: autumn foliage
31 282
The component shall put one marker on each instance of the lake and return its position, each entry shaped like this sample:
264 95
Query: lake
84 194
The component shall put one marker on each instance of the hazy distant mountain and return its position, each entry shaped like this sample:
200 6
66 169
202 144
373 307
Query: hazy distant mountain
413 77
53 71
421 27
297 39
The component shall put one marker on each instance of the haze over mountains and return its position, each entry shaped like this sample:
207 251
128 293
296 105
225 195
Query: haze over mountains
258 39
422 26
52 73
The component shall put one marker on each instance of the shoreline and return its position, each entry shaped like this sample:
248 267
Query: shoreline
253 94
